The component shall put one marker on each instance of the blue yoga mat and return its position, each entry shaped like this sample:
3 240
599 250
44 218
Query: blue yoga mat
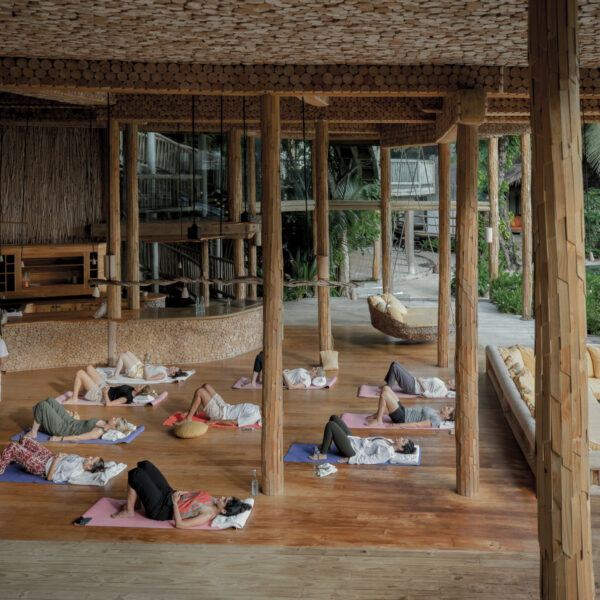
44 437
301 452
15 474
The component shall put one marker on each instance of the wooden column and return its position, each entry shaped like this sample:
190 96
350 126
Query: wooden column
527 228
113 292
133 221
315 228
234 175
467 427
387 275
376 258
322 211
251 200
563 478
272 429
206 271
409 240
494 215
444 255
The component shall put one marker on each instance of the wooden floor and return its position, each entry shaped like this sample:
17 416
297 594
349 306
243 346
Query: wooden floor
365 532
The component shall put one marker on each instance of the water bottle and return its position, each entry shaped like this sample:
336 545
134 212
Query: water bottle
197 306
228 304
254 484
202 306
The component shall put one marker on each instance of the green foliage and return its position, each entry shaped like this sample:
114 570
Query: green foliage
592 220
301 268
592 302
506 292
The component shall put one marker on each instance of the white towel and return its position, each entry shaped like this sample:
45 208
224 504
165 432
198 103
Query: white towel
111 469
236 521
407 459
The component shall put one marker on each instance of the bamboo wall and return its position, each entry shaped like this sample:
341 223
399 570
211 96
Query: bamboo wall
62 187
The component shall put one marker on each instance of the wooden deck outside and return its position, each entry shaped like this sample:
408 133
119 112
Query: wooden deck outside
365 532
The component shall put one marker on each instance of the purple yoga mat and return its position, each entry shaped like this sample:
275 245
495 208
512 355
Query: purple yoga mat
16 474
100 513
301 452
44 437
356 421
239 385
373 391
67 398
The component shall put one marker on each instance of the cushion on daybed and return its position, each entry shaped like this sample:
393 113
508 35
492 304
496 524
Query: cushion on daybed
593 422
528 356
394 303
594 352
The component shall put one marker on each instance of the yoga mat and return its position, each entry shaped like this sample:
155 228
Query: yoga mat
107 373
301 452
356 421
16 474
203 417
239 385
373 391
67 398
44 437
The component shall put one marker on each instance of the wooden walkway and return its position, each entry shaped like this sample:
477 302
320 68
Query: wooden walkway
365 532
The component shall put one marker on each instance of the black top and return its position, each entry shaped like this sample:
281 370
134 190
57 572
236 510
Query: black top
121 391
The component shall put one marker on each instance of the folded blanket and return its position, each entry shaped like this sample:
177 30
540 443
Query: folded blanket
108 374
358 421
99 515
45 438
67 398
301 453
203 417
240 384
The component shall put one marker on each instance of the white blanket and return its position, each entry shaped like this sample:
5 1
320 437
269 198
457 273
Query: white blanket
236 521
112 435
111 469
109 374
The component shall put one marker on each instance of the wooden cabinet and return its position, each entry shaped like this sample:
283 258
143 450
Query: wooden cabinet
51 271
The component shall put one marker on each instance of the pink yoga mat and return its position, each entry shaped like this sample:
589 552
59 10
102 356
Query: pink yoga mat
101 511
67 398
239 385
355 421
203 418
373 391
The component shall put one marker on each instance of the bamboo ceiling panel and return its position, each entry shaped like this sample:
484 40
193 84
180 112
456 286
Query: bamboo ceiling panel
281 31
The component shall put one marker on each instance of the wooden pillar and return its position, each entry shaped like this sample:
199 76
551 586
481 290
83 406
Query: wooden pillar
527 228
315 228
494 215
251 200
467 427
272 429
563 478
387 275
113 292
234 187
444 306
409 239
322 211
206 271
376 258
133 221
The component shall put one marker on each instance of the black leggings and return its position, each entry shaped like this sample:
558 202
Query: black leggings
337 431
153 490
258 362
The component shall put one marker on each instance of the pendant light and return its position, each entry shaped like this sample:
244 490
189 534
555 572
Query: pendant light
184 292
96 292
193 231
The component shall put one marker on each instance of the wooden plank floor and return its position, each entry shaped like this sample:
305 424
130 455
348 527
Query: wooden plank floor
333 529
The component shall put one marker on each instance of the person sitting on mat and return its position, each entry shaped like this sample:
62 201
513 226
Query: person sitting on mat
207 400
133 367
357 450
302 379
147 486
416 416
256 371
415 386
37 460
97 390
50 416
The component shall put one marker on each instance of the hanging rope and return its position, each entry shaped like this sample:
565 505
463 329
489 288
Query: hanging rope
244 149
222 196
1 205
586 176
193 159
23 187
308 244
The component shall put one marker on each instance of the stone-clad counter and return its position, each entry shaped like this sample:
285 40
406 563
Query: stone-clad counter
168 335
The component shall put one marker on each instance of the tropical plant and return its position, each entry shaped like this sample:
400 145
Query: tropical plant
300 267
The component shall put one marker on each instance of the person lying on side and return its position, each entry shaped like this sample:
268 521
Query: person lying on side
133 367
98 390
432 387
302 378
50 416
38 460
161 502
358 450
207 400
401 416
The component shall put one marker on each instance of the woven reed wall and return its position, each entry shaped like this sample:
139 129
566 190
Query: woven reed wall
62 187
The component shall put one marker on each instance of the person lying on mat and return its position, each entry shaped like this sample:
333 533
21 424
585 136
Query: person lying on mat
357 450
133 367
98 390
432 387
256 371
416 416
148 486
50 416
207 400
38 460
302 378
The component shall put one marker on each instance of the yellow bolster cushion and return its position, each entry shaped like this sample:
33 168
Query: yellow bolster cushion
590 364
329 360
594 352
190 429
396 313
